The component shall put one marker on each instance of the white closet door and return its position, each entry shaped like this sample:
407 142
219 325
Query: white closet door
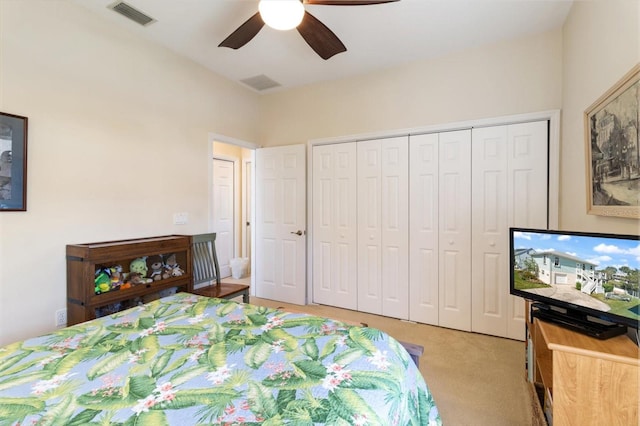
490 258
528 195
509 189
395 228
423 228
455 230
383 281
528 156
369 226
334 225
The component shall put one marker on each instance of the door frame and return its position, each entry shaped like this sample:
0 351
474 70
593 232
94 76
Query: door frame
216 137
247 198
553 116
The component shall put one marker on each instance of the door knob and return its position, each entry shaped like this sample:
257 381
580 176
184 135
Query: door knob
298 232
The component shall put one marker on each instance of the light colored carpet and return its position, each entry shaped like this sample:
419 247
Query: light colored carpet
475 379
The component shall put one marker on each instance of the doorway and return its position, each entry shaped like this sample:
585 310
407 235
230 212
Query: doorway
283 171
224 217
230 206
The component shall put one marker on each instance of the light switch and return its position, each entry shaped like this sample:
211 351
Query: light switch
180 218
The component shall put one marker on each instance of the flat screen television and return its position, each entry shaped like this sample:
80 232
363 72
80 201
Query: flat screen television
584 281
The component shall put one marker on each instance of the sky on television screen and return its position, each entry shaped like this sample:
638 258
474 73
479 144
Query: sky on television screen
601 251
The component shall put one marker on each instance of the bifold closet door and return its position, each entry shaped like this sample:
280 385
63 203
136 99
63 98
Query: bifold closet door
454 230
335 225
383 286
423 228
509 189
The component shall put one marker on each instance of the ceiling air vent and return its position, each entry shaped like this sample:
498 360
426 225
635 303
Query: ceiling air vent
260 82
131 13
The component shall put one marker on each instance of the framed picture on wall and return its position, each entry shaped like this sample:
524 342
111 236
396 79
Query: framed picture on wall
13 162
612 151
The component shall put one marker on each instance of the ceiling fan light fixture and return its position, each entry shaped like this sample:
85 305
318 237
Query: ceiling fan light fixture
281 14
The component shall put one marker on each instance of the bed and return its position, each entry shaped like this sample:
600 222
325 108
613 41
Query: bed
188 359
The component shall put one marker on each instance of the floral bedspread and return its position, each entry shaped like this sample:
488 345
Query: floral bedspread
185 360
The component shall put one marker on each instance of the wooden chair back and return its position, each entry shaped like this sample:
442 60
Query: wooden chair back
205 266
205 269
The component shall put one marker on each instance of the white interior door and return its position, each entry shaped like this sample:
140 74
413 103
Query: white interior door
509 189
455 230
369 226
334 225
423 228
490 257
383 281
395 227
223 213
528 194
280 227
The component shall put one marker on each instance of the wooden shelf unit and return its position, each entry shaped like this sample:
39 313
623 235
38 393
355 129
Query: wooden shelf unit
585 381
84 259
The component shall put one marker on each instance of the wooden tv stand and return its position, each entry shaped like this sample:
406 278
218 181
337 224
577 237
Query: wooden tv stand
583 380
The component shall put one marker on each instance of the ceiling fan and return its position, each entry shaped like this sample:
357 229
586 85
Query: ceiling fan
321 39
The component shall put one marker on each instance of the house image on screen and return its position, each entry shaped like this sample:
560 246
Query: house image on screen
520 256
557 268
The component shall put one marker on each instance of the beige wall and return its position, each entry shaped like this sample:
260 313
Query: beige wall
511 77
118 142
601 44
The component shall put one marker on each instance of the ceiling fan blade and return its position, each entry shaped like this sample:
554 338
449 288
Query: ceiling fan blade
321 39
347 2
244 33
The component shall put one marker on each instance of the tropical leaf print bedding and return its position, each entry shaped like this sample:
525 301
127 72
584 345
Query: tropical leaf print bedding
187 360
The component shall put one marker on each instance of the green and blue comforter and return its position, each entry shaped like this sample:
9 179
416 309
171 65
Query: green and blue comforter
187 360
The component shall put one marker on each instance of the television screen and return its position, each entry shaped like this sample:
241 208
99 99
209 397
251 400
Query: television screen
595 274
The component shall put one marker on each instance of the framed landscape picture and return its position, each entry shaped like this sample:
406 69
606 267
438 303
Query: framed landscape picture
13 162
612 151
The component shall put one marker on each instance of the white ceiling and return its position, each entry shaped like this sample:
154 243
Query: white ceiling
376 37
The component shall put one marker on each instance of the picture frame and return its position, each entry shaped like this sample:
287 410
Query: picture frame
13 162
612 150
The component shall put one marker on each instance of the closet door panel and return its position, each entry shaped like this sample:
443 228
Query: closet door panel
455 230
322 222
334 225
527 174
423 228
528 193
509 189
394 230
369 170
489 261
345 257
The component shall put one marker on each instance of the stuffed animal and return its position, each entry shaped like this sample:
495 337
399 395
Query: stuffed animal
116 277
156 267
133 279
139 265
171 267
102 280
